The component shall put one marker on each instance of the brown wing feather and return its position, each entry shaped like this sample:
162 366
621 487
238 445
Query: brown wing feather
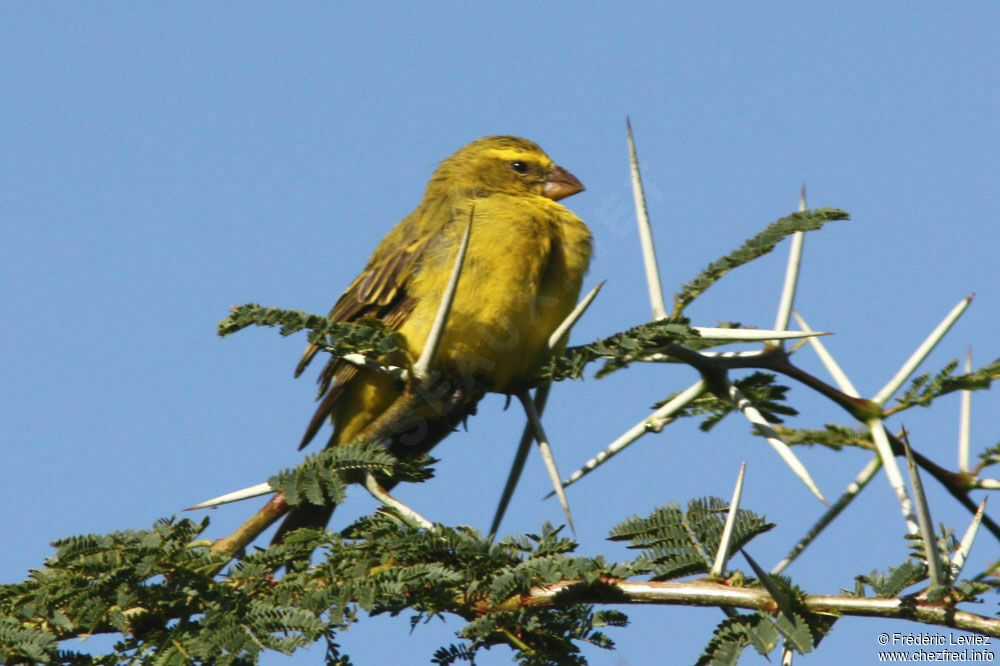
379 291
337 373
375 290
329 400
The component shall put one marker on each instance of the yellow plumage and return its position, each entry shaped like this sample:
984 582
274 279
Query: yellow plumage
522 275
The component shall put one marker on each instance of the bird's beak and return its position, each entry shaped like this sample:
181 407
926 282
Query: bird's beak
560 184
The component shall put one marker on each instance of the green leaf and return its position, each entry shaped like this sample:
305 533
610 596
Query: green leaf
924 389
832 436
731 636
796 632
322 477
908 573
368 337
759 388
619 349
753 248
680 543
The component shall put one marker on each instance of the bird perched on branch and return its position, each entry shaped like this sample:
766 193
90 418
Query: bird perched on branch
521 277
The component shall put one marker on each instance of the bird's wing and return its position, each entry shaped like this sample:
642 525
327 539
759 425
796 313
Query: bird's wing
379 291
376 291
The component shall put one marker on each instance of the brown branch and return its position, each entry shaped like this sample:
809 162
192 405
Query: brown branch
251 529
710 593
776 359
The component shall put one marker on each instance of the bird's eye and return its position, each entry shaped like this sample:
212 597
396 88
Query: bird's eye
519 166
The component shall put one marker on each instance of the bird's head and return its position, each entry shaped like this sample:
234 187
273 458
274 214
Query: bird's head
505 164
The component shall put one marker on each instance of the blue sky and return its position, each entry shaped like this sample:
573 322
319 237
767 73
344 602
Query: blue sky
163 162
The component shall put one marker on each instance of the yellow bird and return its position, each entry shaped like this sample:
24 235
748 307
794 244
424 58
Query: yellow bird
521 277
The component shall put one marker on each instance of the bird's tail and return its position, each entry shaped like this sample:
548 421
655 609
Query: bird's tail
458 406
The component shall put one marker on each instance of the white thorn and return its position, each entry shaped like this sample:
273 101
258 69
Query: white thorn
921 353
546 451
713 354
787 301
855 487
753 415
646 234
960 556
965 421
752 334
931 551
235 496
831 365
369 364
422 367
725 542
651 423
572 317
408 514
517 466
893 472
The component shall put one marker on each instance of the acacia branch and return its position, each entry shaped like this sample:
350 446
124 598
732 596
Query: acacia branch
705 592
776 359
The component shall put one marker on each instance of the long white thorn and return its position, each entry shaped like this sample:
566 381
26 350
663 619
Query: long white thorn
572 317
541 395
922 351
370 364
664 358
753 353
855 487
965 421
931 551
235 496
962 554
517 466
732 335
546 451
831 365
752 334
645 233
652 423
893 473
408 514
753 415
791 273
726 541
422 367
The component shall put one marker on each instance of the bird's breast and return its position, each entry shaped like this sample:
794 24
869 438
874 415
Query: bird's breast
521 277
